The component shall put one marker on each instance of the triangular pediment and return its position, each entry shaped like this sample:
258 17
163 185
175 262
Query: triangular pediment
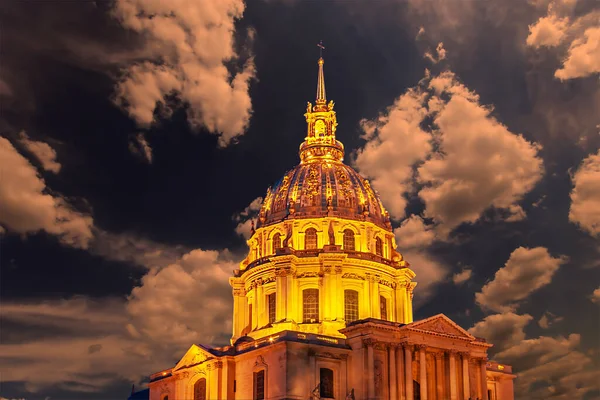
195 355
440 324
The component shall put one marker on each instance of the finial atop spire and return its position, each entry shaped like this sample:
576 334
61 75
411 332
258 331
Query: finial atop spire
321 99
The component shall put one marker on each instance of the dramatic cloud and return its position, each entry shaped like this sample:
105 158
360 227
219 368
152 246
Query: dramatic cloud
595 297
462 276
585 197
26 207
580 35
139 146
186 302
244 219
478 163
413 233
395 143
548 319
551 368
194 41
42 151
502 330
429 273
75 345
526 271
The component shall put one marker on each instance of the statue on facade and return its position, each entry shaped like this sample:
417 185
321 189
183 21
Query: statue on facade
331 234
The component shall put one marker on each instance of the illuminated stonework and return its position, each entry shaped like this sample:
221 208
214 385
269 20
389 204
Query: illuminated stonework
323 302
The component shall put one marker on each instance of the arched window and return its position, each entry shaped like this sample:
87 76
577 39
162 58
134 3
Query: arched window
350 305
310 239
383 307
326 383
166 397
310 305
272 302
348 239
259 385
200 389
379 247
276 242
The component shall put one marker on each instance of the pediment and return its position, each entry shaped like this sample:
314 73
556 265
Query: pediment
440 324
195 355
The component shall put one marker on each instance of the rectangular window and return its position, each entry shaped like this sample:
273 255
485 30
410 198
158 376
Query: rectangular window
350 305
259 385
272 302
383 307
310 305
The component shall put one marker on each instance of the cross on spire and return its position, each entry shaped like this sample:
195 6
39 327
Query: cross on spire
321 48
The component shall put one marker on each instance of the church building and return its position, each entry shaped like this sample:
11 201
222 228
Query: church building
323 303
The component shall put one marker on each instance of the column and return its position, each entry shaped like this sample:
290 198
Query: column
281 294
408 371
392 371
409 316
400 302
466 386
453 388
368 343
401 383
483 377
259 300
423 371
439 375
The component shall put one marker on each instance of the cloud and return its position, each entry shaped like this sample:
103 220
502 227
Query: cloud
526 271
477 162
548 319
42 151
131 248
585 196
395 143
551 368
579 34
185 302
413 233
430 273
440 51
244 218
595 297
139 146
502 330
462 276
547 31
26 207
193 41
84 345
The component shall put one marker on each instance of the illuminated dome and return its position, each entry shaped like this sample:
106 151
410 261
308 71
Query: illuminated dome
323 188
322 185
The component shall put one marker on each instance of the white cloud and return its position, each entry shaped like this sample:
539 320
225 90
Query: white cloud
139 146
395 143
478 163
551 368
526 271
42 151
186 302
548 319
585 197
462 276
595 297
548 31
502 330
26 208
193 40
579 34
246 217
429 273
583 57
413 233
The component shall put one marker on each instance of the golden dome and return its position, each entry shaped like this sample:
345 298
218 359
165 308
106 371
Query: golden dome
322 185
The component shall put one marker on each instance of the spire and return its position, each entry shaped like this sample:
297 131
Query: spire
321 99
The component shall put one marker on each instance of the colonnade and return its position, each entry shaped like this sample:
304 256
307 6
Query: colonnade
447 382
